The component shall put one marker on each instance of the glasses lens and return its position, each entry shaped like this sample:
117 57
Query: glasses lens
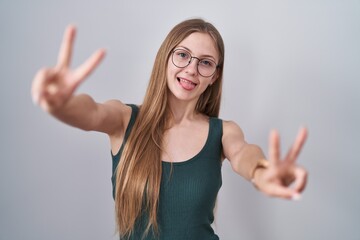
206 67
182 58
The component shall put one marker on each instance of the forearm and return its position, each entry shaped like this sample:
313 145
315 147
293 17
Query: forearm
79 111
248 160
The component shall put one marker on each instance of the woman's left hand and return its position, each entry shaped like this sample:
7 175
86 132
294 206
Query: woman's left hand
283 177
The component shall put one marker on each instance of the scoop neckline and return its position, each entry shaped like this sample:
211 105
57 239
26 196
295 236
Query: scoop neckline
192 159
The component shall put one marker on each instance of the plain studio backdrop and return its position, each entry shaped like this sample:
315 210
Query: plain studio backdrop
288 63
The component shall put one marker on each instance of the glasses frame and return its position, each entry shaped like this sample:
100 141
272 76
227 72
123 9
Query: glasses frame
191 58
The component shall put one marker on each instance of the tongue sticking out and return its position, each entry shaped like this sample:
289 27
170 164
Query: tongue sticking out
187 85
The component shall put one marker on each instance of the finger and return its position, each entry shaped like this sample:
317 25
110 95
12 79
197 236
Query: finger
36 85
88 67
52 97
40 82
297 146
282 192
274 147
300 180
48 101
66 48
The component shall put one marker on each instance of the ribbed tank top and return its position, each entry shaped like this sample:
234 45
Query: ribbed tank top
188 191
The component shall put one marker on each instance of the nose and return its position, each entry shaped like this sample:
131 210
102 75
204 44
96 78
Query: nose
192 67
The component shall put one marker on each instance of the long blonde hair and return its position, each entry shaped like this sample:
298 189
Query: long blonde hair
138 174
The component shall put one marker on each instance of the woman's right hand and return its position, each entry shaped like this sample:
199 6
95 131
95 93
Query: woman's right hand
53 87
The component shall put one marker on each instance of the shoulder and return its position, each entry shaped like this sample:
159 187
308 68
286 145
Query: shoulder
231 128
126 117
119 113
233 138
118 106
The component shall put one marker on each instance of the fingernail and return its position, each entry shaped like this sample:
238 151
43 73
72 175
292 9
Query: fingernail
296 197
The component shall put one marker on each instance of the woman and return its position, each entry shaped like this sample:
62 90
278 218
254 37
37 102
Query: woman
167 153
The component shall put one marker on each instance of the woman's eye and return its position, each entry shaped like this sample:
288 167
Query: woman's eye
183 55
206 63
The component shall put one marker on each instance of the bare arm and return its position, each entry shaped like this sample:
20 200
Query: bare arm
53 89
83 112
273 177
243 157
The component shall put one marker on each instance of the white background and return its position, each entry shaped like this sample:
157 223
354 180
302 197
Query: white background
288 63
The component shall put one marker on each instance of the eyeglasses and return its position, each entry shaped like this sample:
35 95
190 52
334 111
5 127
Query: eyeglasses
182 58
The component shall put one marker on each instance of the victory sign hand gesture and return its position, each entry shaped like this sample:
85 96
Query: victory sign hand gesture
283 177
53 87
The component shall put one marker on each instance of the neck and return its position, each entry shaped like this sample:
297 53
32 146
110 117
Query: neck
182 110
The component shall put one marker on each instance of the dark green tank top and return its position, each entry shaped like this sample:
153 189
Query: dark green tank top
187 194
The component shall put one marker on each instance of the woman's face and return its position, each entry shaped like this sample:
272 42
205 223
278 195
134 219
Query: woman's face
186 84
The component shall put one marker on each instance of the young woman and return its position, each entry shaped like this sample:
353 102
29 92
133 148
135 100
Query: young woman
167 152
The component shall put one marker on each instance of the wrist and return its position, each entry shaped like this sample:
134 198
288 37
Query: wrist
261 166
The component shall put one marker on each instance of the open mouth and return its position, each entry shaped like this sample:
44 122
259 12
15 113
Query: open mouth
186 84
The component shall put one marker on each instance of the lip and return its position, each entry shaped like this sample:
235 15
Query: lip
186 80
186 84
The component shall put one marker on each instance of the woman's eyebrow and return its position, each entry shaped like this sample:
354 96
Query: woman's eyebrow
202 56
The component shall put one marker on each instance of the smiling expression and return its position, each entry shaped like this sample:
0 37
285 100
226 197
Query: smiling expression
187 84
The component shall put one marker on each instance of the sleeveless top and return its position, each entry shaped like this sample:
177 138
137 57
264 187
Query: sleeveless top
188 191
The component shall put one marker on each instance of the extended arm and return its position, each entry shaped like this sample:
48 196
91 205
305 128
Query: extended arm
244 157
53 89
273 177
